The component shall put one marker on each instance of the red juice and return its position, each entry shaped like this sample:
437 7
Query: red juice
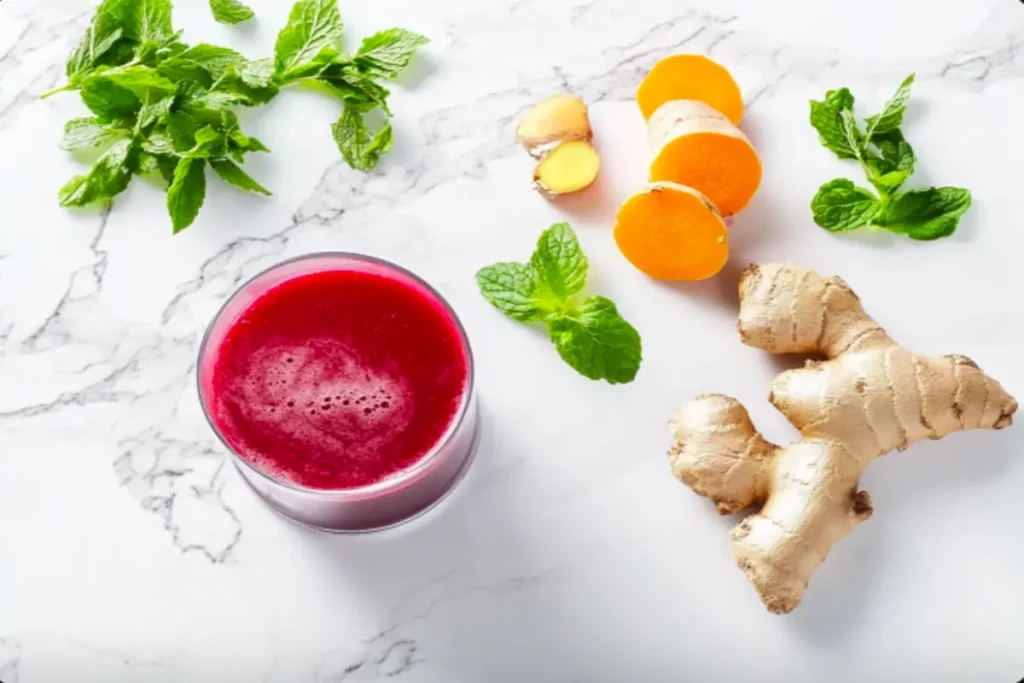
339 376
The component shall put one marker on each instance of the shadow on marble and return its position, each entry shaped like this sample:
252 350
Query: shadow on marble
841 591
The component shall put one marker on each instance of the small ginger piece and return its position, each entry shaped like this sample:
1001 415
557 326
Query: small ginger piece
569 167
672 232
868 397
697 146
557 133
690 77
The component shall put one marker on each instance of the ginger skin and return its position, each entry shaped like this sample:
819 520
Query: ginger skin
869 396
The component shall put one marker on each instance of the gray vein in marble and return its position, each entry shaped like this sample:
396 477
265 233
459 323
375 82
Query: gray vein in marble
395 651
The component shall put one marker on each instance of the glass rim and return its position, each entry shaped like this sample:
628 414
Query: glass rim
392 482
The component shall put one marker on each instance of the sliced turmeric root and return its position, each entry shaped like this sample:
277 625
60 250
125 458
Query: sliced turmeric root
569 167
672 232
690 77
696 146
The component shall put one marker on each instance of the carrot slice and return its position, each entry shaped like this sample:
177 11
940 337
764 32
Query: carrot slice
672 232
696 146
690 77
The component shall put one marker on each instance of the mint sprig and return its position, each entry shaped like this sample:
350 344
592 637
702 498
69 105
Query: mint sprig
590 335
163 107
888 161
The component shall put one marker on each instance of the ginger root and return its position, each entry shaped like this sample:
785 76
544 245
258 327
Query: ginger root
557 133
869 396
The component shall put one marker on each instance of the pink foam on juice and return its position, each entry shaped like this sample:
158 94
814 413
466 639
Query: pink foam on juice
337 379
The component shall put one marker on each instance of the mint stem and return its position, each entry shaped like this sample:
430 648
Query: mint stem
63 88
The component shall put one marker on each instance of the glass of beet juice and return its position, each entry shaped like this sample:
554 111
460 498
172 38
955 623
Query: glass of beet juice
342 385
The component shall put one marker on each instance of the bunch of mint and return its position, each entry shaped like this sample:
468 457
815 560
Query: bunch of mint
161 106
888 160
590 335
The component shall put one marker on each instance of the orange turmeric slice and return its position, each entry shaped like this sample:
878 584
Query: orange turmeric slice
690 77
672 232
696 146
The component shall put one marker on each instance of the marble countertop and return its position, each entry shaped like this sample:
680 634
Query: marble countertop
131 552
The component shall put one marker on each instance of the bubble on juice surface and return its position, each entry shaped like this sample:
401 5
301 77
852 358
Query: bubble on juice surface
320 387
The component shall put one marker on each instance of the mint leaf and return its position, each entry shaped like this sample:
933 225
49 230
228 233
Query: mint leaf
827 119
258 73
926 214
158 144
840 205
209 144
592 337
149 21
353 86
511 288
230 11
87 133
309 40
232 173
892 113
890 170
151 112
108 177
203 62
597 342
109 101
387 53
96 45
187 192
97 41
360 147
558 261
139 80
166 165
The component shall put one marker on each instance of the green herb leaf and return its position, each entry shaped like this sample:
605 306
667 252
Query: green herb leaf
598 342
203 62
387 53
149 21
353 86
309 40
140 80
360 147
511 288
108 100
558 261
593 338
890 170
187 192
926 214
158 144
166 164
87 133
97 41
234 174
108 177
230 11
827 119
151 112
840 205
892 113
209 144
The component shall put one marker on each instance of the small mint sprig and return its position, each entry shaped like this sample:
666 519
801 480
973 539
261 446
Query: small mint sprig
888 160
590 335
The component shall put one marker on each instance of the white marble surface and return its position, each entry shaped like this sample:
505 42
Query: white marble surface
129 551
